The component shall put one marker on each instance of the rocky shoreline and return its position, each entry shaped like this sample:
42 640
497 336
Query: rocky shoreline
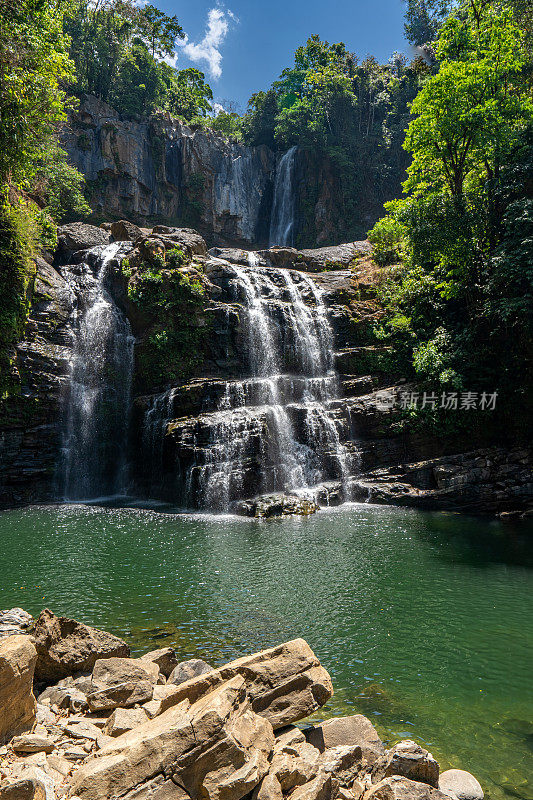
80 718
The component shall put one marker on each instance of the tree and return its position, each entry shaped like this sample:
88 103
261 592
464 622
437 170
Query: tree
139 87
158 30
187 95
469 114
34 65
423 19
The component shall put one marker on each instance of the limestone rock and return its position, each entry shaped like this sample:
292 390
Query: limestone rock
323 787
285 683
121 682
268 789
161 700
17 703
345 762
215 748
158 788
410 760
32 743
23 789
65 646
165 658
294 764
189 669
354 730
80 236
124 719
399 788
124 231
15 620
463 784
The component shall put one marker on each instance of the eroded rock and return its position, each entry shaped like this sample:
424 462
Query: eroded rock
121 682
80 236
123 720
276 505
399 788
410 760
15 620
165 658
353 730
189 669
17 703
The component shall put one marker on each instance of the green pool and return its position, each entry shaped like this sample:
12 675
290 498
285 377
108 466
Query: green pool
425 621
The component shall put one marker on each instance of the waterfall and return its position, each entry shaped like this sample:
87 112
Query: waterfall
275 430
283 208
97 414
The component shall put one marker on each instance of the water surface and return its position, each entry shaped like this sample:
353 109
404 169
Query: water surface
425 621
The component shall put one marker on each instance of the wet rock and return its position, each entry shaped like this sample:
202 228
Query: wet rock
17 703
121 682
354 730
15 620
463 784
65 646
124 719
189 669
124 231
276 505
32 743
165 658
80 236
410 760
216 747
398 788
285 683
186 239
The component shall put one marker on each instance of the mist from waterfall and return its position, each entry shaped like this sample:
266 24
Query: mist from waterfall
97 408
282 220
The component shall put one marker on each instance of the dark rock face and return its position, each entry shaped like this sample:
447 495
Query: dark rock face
65 646
161 168
80 236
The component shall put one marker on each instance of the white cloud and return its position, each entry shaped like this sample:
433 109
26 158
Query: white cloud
208 49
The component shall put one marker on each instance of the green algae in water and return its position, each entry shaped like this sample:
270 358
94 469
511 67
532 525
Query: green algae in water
424 621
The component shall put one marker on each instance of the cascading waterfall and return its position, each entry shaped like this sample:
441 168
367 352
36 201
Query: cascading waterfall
273 431
97 414
283 208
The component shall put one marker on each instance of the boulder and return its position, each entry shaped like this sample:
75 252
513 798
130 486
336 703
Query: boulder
161 700
17 703
187 239
23 789
65 646
410 760
123 720
121 682
463 784
32 743
268 789
276 505
124 231
215 748
294 764
165 658
345 762
187 670
15 620
285 683
80 236
323 787
399 788
354 730
65 697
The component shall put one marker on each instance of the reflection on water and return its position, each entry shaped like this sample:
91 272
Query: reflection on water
424 620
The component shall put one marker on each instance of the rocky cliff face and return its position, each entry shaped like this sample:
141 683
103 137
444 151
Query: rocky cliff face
252 372
162 170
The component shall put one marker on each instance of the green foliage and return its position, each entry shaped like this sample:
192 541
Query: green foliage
158 30
387 237
61 186
187 94
139 86
34 66
423 18
18 237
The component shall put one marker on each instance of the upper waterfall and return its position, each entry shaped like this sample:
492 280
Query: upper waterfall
283 209
96 421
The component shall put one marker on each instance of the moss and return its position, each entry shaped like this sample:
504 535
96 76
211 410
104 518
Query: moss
19 233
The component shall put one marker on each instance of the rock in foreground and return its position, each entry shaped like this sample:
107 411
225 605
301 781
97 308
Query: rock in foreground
17 703
65 646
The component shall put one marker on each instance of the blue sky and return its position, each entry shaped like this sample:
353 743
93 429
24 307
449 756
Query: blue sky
249 42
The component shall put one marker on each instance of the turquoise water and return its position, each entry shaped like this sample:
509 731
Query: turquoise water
425 621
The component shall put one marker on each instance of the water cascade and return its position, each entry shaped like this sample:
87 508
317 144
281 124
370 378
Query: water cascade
97 413
277 429
283 208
